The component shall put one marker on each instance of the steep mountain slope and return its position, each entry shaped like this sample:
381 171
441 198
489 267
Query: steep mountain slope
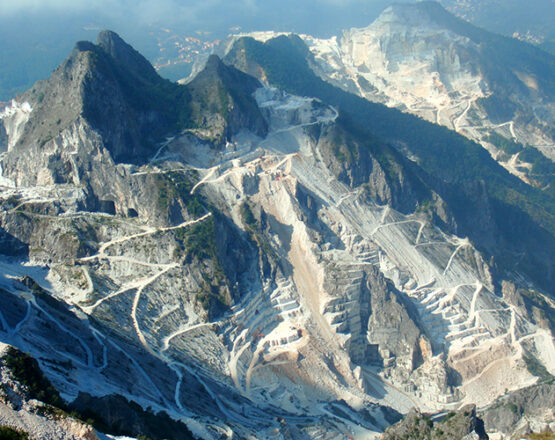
460 171
269 270
457 426
21 411
32 407
417 57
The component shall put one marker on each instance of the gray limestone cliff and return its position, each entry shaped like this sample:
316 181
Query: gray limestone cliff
245 259
460 425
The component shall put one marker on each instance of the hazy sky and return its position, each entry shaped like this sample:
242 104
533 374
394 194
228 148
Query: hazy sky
212 13
9 6
169 8
36 35
146 8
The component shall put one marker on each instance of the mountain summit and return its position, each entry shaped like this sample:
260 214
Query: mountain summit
423 60
262 258
110 81
127 57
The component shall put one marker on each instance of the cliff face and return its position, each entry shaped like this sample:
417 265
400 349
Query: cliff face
477 197
423 60
259 266
522 412
460 425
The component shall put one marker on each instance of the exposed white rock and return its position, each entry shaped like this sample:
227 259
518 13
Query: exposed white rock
32 417
287 345
14 117
406 60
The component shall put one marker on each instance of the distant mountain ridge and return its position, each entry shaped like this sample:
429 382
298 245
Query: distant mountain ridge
111 82
283 260
420 58
281 61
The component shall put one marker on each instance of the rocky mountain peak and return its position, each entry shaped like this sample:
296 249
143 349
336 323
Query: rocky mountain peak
214 63
84 46
421 13
113 45
231 106
463 424
101 83
216 70
428 15
434 10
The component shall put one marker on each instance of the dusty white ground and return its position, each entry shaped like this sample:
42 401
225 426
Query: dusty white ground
482 335
407 61
282 344
22 414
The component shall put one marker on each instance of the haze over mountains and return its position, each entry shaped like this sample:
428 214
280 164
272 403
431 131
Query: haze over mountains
36 36
422 60
265 251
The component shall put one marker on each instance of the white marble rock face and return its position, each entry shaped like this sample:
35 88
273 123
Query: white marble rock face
339 305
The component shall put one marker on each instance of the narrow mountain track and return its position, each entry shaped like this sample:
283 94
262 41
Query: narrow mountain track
452 257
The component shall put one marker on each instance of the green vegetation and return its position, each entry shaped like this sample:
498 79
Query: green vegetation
449 415
536 368
426 205
543 169
199 243
254 230
524 216
247 216
182 185
501 142
200 240
7 433
547 435
512 407
178 184
26 371
221 105
211 298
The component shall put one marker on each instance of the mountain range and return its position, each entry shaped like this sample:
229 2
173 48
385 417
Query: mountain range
269 251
